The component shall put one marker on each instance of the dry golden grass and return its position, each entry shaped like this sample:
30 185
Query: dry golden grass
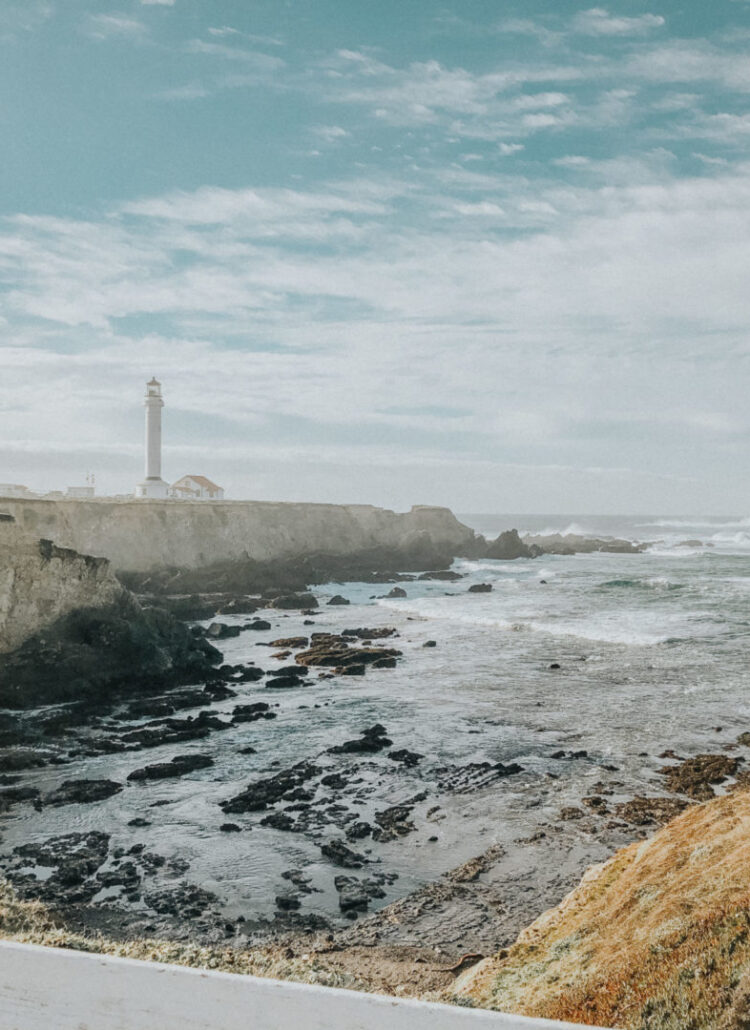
657 937
29 922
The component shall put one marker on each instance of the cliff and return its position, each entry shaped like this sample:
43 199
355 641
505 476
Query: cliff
40 582
142 536
70 631
658 937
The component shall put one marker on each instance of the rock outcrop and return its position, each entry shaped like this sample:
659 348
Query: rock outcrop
40 582
70 631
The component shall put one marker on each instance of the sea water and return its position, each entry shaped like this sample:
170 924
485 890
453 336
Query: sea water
652 650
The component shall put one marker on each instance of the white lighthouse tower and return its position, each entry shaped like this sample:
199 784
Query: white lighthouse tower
153 485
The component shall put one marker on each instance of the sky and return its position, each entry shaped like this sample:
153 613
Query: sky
487 254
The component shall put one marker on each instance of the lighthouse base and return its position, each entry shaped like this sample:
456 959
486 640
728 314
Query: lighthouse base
153 488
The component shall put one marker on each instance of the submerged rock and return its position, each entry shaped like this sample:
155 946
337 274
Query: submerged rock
338 853
259 795
294 601
371 741
178 766
222 631
82 792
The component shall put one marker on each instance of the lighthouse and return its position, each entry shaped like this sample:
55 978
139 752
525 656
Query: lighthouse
153 485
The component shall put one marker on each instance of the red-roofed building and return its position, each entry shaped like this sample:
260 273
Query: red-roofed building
196 488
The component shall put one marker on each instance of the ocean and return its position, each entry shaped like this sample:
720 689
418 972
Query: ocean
615 657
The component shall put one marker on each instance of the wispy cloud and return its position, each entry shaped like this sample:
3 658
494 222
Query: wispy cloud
235 53
597 21
114 26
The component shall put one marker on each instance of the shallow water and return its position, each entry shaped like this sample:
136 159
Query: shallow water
653 655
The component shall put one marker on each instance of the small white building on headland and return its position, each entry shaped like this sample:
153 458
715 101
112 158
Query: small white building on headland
196 488
15 490
188 488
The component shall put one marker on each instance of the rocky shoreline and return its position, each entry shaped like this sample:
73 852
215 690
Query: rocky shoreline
94 885
137 676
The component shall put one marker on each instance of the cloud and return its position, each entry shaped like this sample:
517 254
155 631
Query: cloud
599 22
262 61
114 26
227 31
330 133
691 61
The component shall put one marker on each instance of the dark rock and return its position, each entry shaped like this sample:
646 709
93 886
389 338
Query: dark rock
83 792
508 546
372 740
258 624
185 901
230 828
278 821
352 893
366 633
249 713
289 602
11 796
480 588
446 575
292 643
155 736
249 674
139 821
337 599
284 682
14 758
358 831
393 823
406 757
288 902
73 858
383 663
267 792
98 653
221 631
338 853
430 643
178 766
397 592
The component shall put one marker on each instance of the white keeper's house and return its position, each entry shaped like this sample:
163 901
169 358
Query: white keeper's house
196 488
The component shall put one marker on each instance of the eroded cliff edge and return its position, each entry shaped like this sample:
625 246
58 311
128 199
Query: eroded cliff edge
142 536
69 630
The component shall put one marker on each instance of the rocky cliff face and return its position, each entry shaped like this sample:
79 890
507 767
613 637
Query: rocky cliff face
40 582
143 536
69 631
